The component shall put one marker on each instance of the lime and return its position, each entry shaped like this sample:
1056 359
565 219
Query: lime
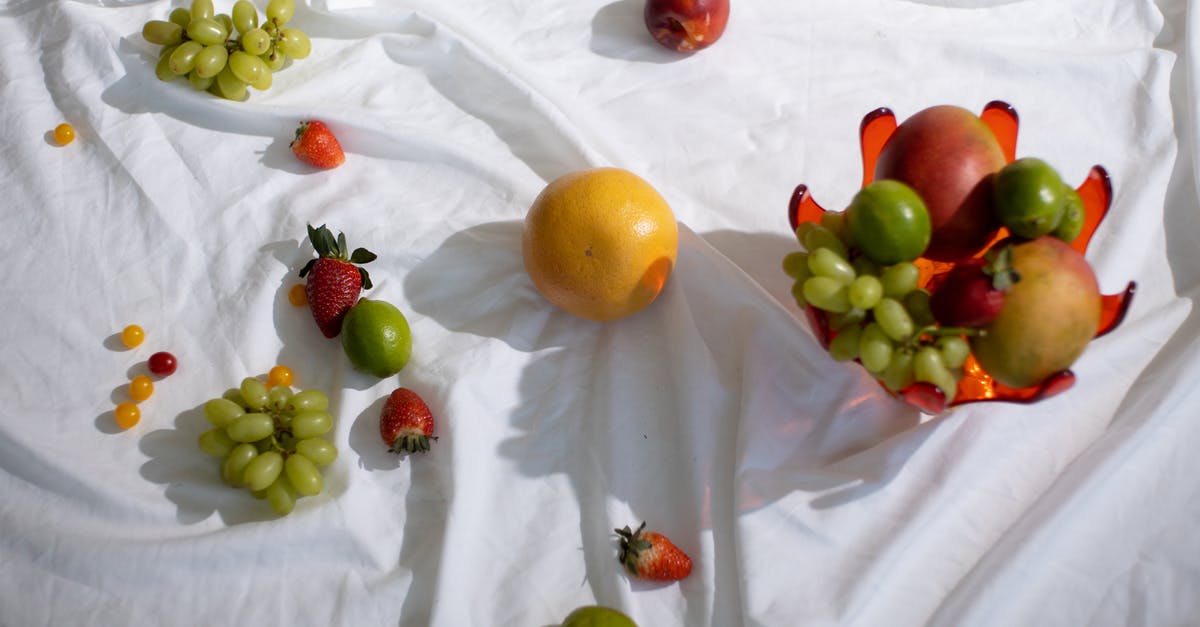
889 222
1028 197
1071 223
597 616
376 337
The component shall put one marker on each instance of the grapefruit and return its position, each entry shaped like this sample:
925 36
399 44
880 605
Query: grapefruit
600 243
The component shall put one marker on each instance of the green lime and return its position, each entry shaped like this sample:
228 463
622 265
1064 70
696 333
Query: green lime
1071 223
376 337
1028 197
597 616
889 222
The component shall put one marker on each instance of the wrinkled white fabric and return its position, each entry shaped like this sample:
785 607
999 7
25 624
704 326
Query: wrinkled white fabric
803 493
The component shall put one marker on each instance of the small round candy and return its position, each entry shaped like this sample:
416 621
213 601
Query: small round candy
162 363
127 415
140 388
64 134
297 296
280 375
132 335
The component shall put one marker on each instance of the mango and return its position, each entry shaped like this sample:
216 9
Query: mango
949 156
1049 315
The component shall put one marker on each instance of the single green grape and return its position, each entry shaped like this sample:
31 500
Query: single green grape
954 350
820 237
917 304
256 41
264 80
250 427
319 451
899 372
216 442
229 86
262 471
280 11
163 68
874 348
281 497
235 464
202 9
180 16
853 317
303 475
927 363
183 59
294 43
929 367
225 21
198 82
211 61
899 279
795 265
279 397
254 391
865 292
162 33
310 424
835 221
893 318
235 395
222 411
274 59
245 16
827 263
309 400
844 346
827 294
246 67
802 230
207 31
863 266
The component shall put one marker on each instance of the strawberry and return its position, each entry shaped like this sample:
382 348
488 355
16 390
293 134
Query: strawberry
334 281
650 555
406 424
315 145
972 294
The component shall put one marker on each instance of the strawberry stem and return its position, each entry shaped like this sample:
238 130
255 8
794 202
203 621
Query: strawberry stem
632 543
1000 268
328 246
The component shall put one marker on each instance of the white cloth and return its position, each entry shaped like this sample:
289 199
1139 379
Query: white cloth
804 495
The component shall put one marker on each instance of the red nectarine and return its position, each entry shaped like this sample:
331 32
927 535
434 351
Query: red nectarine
686 25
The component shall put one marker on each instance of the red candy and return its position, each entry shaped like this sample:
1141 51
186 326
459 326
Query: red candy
162 363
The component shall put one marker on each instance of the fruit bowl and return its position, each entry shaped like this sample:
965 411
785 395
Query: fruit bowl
974 384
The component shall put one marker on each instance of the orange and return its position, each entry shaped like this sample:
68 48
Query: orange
600 243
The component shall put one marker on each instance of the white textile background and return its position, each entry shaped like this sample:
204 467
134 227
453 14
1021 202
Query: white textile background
804 495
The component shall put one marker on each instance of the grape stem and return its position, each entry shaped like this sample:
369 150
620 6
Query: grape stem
929 334
939 331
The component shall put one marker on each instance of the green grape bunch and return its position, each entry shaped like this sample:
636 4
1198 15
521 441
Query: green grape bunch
270 441
878 314
226 53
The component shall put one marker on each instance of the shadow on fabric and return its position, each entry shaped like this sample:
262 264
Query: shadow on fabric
619 32
712 402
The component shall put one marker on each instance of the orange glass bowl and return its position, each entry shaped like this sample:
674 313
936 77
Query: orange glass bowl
975 384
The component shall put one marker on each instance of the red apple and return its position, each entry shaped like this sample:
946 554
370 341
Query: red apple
686 25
